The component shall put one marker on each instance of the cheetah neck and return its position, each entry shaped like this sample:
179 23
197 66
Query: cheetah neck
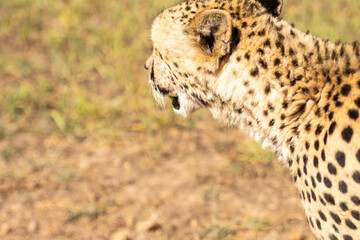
276 81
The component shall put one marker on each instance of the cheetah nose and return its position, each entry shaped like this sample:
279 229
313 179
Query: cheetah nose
146 67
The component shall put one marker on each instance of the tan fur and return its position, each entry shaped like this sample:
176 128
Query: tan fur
295 93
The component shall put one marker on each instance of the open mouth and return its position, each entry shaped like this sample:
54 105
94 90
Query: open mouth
175 102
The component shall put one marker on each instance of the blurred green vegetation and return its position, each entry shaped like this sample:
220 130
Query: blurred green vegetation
74 67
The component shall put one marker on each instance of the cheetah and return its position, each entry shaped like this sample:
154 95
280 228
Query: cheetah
291 91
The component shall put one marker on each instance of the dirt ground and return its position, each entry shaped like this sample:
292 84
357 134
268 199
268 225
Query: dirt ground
174 184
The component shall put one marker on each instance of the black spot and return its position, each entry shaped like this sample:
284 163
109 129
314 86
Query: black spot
350 224
347 134
316 162
326 108
316 145
319 129
356 176
332 169
323 157
356 215
355 200
322 216
254 72
285 104
318 112
353 114
349 71
271 123
357 102
292 33
313 182
343 187
322 201
307 145
277 74
340 158
295 63
318 224
339 80
263 64
271 107
292 148
333 237
311 223
332 127
343 206
308 197
308 127
313 195
243 25
329 198
267 43
290 162
267 89
325 138
277 62
305 170
299 173
278 44
347 237
339 104
358 155
305 159
331 115
251 35
327 182
345 90
318 177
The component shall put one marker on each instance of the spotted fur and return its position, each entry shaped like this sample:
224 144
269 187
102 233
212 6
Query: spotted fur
293 92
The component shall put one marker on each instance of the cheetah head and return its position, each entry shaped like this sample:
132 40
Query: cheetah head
191 43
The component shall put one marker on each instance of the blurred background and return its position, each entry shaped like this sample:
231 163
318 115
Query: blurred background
85 153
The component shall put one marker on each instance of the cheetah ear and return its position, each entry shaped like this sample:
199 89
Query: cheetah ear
273 6
211 30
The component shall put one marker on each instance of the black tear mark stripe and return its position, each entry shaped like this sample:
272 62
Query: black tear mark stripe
152 74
